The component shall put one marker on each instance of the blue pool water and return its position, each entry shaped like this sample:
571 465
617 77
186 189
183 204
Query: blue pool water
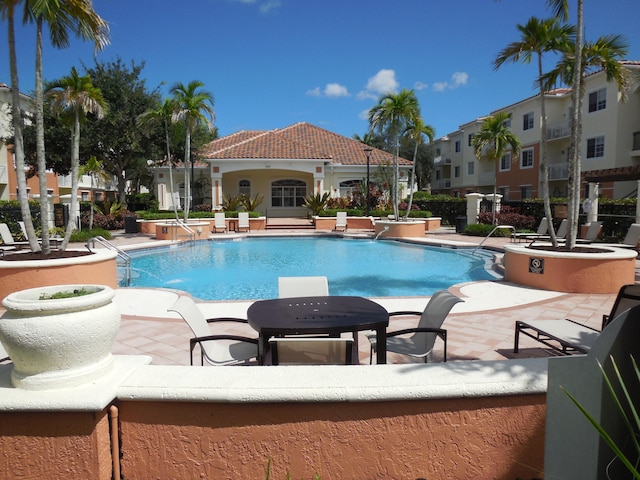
248 269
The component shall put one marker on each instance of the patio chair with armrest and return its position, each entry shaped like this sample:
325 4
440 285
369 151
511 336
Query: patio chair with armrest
311 351
53 240
341 221
216 349
8 240
570 337
630 240
289 287
421 343
543 228
219 222
243 222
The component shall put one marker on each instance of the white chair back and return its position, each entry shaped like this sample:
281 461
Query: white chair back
289 287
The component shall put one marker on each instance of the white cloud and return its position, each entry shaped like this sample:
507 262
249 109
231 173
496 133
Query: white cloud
331 90
265 6
383 82
420 85
458 79
336 90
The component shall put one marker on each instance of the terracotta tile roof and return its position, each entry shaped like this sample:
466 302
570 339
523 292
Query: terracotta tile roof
301 141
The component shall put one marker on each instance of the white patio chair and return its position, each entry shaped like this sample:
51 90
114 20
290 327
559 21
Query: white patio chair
341 221
219 222
243 222
289 287
7 238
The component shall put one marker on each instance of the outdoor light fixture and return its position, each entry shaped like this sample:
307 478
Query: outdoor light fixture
367 152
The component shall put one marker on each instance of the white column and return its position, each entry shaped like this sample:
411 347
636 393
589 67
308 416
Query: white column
473 207
594 191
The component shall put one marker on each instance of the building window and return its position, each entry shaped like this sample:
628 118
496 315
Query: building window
288 193
84 196
504 191
595 147
527 121
598 100
471 168
526 192
349 187
458 146
505 162
438 175
98 196
456 171
244 187
438 152
470 139
526 159
507 122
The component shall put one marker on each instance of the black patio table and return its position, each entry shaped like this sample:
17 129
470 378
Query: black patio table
331 315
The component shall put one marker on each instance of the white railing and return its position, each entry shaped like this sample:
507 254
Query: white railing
442 183
561 130
559 171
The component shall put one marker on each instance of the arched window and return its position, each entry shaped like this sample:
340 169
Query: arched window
288 193
244 187
349 187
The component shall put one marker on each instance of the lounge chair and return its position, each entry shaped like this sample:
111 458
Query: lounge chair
421 343
592 233
216 349
55 241
243 222
543 228
219 222
7 238
311 351
630 240
561 233
289 287
568 336
341 221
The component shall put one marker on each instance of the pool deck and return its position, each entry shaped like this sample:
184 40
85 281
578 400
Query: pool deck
481 328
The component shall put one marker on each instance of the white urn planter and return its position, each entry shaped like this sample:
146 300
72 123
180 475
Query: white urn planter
59 342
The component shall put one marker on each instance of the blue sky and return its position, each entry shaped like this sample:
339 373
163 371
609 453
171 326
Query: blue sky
272 63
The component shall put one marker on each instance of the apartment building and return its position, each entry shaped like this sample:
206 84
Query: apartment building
610 148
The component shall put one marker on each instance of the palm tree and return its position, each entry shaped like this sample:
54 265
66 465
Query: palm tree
61 16
538 37
493 141
8 10
164 114
95 170
603 54
195 107
76 96
416 131
393 113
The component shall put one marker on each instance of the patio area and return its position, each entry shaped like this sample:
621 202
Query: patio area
481 328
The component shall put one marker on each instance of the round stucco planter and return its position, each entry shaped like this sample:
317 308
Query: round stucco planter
400 229
603 272
99 267
59 343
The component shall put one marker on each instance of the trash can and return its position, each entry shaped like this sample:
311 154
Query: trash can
130 224
461 223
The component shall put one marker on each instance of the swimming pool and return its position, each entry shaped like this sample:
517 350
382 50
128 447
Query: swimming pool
248 268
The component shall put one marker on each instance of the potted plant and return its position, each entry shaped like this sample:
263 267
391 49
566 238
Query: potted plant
59 336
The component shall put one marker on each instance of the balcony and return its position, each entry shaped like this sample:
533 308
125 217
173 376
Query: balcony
558 131
440 160
442 183
559 171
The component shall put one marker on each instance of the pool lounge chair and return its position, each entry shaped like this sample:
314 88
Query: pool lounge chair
421 343
341 221
543 228
53 241
561 233
216 349
630 240
570 337
311 351
243 222
219 222
289 287
7 237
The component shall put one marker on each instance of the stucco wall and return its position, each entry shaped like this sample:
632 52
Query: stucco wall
499 437
55 445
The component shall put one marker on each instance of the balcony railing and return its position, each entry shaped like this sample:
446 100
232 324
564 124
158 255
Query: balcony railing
442 183
440 160
559 171
85 182
561 130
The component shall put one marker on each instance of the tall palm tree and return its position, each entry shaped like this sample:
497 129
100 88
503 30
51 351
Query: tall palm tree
538 37
603 54
76 96
416 131
8 12
391 115
61 16
493 141
94 168
194 106
163 114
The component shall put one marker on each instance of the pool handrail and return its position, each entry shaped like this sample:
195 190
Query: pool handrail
510 227
121 254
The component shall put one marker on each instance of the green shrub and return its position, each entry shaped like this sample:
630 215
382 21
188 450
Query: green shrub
483 229
83 235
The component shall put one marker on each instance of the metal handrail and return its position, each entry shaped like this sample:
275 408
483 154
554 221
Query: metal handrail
190 232
510 227
121 254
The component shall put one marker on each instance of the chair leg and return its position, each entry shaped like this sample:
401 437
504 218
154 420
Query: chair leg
371 355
